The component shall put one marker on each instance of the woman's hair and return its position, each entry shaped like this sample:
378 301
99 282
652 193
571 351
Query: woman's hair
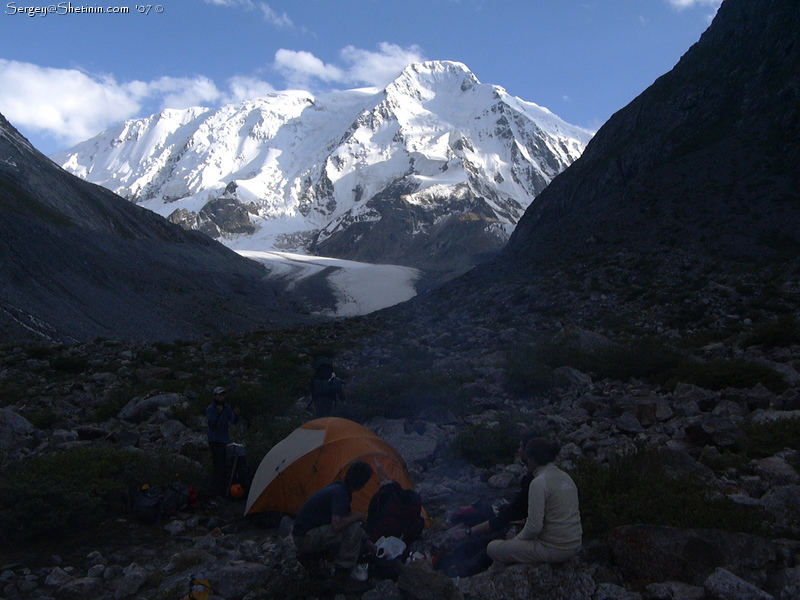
357 475
542 451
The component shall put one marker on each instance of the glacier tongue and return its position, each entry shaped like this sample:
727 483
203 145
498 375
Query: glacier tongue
432 171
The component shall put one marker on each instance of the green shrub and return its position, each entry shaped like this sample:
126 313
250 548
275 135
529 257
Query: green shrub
69 364
60 494
781 332
635 489
653 361
526 373
485 446
399 395
761 440
41 418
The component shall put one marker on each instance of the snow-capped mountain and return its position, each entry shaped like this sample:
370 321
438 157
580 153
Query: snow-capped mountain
431 171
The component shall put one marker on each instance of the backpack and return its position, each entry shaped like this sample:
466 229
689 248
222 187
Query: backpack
326 388
395 512
151 504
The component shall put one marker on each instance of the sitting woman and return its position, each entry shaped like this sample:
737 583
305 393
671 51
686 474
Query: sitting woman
552 531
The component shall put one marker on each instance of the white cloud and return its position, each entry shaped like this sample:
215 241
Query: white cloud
246 88
300 67
683 4
69 105
66 103
182 92
377 69
72 105
269 14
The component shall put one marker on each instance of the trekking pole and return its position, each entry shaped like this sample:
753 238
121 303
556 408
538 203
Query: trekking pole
233 472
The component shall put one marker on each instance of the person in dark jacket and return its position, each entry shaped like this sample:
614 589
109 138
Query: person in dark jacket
220 415
326 388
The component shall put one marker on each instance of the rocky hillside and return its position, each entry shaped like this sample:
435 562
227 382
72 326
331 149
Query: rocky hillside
682 215
702 162
79 262
733 450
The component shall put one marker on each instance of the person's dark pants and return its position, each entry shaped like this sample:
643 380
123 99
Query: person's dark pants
218 486
470 557
324 407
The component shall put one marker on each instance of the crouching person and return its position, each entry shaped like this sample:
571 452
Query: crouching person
326 525
552 531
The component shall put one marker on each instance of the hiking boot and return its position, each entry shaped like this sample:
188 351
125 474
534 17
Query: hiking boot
311 564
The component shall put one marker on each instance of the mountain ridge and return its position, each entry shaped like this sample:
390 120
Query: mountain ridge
436 160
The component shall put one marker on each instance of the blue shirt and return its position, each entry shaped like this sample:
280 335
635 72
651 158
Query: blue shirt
319 510
218 422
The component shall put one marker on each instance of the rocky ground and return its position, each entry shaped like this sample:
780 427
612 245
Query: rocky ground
601 419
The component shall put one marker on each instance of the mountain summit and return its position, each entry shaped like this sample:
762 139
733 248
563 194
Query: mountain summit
432 171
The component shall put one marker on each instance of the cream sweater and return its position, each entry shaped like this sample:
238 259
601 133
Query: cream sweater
553 515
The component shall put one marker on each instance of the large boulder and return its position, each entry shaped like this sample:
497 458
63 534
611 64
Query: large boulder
659 554
569 581
143 407
418 581
13 428
416 446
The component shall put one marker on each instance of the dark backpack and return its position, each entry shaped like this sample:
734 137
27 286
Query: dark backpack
152 504
395 512
326 388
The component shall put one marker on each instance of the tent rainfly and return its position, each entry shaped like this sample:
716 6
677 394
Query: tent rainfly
316 454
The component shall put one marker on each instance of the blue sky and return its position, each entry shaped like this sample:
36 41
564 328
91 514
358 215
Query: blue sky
65 75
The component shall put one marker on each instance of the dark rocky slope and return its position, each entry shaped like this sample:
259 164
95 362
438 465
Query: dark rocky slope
79 262
692 189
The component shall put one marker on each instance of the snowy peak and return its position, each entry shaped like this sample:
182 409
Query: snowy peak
430 172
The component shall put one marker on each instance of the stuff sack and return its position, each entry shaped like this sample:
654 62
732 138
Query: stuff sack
395 512
472 515
237 471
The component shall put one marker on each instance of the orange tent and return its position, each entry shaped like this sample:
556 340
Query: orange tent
316 454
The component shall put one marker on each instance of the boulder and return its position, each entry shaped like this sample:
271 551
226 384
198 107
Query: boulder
724 585
13 428
674 590
658 554
776 471
568 581
782 503
418 581
142 408
413 446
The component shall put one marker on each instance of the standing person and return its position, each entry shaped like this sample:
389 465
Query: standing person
326 388
552 531
325 523
219 415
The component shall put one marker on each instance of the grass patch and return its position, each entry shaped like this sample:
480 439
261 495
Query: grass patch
55 496
487 445
653 361
760 440
635 489
780 332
